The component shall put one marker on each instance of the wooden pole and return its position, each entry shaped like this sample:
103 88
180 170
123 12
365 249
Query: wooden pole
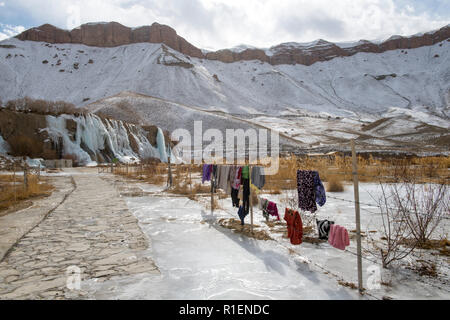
169 174
212 192
190 177
25 177
14 182
250 197
357 216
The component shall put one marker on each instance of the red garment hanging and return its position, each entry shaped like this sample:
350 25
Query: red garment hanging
294 225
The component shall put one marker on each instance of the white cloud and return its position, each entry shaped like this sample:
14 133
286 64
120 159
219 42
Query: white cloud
8 31
220 24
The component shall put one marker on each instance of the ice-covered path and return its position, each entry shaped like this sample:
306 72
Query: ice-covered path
198 259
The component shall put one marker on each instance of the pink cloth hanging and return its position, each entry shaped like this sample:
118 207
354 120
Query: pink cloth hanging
338 237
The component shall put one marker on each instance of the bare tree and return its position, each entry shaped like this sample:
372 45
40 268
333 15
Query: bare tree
422 206
395 230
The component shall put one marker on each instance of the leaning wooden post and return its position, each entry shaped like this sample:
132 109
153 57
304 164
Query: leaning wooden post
357 220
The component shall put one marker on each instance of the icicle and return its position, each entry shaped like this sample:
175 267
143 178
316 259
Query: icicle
161 143
97 135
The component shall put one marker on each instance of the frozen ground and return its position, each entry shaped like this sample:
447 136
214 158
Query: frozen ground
199 259
157 245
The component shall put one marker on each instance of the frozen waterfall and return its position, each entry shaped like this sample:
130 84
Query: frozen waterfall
95 136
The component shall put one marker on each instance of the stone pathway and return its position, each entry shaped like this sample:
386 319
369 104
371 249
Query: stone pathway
14 225
91 230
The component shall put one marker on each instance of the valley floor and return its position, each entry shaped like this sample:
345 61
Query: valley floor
136 241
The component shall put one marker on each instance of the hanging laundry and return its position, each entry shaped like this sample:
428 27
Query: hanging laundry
214 178
323 226
207 169
246 194
338 237
263 206
234 197
305 188
242 213
272 209
294 225
258 178
245 172
223 181
319 190
236 178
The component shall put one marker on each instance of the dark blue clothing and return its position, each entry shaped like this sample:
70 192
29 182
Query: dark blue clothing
319 190
242 213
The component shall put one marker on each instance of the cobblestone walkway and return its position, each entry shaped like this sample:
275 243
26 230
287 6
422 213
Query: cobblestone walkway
92 230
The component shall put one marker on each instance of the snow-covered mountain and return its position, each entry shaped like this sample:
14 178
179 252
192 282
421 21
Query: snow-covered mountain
364 86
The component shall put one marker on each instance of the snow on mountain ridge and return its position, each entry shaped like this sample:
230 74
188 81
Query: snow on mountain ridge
113 34
359 84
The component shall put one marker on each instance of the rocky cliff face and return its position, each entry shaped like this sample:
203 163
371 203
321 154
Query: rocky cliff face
114 34
110 35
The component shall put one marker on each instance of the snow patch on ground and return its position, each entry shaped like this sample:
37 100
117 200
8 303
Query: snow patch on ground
4 146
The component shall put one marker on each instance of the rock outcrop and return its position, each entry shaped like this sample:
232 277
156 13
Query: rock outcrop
114 34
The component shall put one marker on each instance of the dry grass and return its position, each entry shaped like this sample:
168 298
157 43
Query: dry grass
334 184
155 173
370 169
348 284
425 268
235 225
442 246
12 195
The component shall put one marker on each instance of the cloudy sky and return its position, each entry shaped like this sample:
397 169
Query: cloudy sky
217 24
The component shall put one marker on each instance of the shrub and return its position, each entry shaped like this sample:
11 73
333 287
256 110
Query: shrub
25 146
334 184
11 194
44 107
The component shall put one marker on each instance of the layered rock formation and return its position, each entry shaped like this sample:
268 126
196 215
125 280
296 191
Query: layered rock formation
111 34
114 34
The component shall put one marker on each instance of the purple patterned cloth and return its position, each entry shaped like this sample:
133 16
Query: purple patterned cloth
207 169
306 192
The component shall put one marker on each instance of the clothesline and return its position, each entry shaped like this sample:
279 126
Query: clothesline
378 206
384 177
